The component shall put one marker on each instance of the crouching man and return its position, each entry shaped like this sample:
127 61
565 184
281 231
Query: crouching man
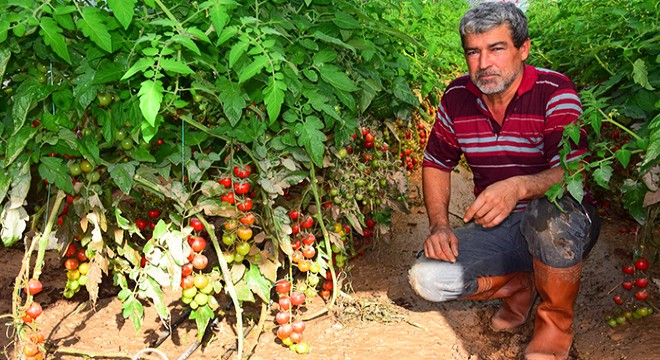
506 118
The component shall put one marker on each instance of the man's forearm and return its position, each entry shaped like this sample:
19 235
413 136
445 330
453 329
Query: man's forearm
436 185
535 186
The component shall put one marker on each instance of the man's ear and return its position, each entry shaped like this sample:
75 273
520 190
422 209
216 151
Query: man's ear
524 49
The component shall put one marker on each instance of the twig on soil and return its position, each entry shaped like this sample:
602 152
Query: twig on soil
92 354
150 350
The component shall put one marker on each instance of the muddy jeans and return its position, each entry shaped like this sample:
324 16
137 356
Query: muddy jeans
557 238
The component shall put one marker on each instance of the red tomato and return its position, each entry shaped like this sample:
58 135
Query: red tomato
298 326
248 219
327 285
82 255
296 337
196 224
242 188
242 172
618 300
295 229
297 298
309 239
228 197
294 214
284 331
307 222
245 205
296 244
641 264
642 282
628 269
141 224
627 285
143 261
153 213
283 286
71 250
226 182
369 138
640 295
370 223
187 282
284 303
186 269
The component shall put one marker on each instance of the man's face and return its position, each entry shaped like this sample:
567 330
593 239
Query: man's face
493 61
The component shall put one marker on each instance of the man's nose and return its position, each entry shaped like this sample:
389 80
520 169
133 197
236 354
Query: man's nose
484 60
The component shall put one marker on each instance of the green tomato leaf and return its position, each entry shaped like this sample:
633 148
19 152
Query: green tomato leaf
345 21
140 66
203 316
243 292
623 156
311 137
123 174
641 74
332 40
132 309
633 193
232 99
274 98
258 283
28 94
237 51
151 95
219 17
337 78
576 189
17 142
92 25
52 35
248 72
55 171
109 71
123 11
401 91
602 175
186 42
175 66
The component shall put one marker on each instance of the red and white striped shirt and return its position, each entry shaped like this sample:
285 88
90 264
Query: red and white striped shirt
526 143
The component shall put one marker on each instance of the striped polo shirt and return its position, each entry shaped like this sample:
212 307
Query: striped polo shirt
526 143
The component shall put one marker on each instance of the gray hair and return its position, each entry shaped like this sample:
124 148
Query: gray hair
488 15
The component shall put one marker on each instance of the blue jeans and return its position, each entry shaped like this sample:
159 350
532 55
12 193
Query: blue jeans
558 238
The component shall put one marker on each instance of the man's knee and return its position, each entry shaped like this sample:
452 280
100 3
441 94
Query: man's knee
435 280
559 237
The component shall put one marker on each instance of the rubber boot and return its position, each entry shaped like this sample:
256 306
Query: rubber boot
517 291
553 335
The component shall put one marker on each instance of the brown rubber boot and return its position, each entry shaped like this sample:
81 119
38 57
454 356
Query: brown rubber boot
517 291
553 335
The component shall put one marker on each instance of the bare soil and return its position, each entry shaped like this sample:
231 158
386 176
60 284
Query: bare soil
377 317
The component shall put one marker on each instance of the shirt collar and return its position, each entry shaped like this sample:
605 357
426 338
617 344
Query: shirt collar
530 75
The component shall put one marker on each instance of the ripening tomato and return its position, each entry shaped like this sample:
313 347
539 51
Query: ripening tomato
244 233
187 282
284 331
309 239
200 261
304 265
230 225
296 338
33 287
308 251
248 219
186 269
30 350
71 264
34 310
298 326
82 255
283 317
37 337
198 244
297 256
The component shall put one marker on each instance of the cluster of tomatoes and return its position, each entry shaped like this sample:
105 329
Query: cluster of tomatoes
32 338
150 223
290 331
632 303
77 267
76 169
198 287
238 229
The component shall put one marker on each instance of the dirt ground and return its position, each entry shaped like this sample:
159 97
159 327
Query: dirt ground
378 317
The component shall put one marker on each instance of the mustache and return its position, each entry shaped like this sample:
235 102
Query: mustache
481 73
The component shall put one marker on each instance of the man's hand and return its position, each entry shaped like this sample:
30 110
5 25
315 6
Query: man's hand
442 244
494 203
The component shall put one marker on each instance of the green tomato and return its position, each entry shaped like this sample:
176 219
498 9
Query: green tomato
243 248
104 99
207 289
86 166
186 300
228 239
82 280
201 299
229 257
313 279
120 134
74 169
189 292
126 144
93 176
